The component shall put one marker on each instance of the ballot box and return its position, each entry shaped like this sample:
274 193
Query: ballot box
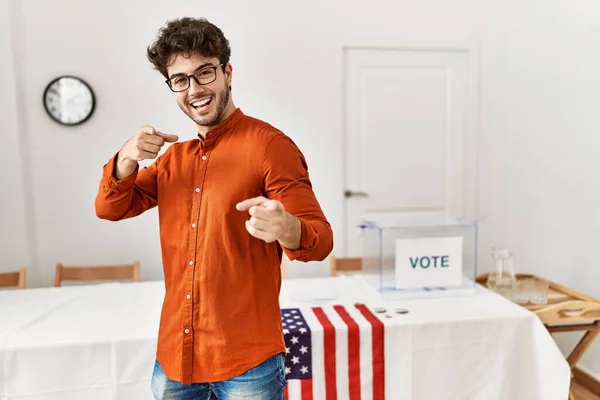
419 255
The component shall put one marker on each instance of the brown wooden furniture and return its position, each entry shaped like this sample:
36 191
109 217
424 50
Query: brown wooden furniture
566 311
350 264
14 279
92 273
584 386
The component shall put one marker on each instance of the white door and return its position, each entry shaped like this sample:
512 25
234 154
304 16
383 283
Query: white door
410 131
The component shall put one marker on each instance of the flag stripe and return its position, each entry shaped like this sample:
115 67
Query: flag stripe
307 389
318 353
329 350
378 352
285 393
366 350
353 353
294 392
341 352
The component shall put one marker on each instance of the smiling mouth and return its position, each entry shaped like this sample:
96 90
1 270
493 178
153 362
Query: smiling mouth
202 104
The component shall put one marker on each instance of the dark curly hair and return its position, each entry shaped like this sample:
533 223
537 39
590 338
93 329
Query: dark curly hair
188 36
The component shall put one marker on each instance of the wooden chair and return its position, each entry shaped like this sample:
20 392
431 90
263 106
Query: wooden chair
93 273
14 279
349 264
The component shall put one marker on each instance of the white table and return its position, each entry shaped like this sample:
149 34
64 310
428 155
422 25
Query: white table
99 342
473 347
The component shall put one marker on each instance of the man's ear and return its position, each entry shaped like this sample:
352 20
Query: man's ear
229 74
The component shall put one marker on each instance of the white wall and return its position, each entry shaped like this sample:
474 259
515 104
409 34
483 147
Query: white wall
14 251
540 140
540 89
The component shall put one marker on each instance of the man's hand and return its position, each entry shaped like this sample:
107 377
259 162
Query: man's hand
269 222
145 145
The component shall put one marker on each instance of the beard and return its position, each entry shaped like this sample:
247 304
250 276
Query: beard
214 117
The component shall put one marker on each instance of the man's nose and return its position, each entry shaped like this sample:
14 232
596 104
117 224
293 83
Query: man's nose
195 87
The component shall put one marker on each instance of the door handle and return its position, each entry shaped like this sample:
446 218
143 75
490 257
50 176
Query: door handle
350 193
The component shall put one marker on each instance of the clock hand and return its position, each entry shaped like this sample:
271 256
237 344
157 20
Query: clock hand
72 99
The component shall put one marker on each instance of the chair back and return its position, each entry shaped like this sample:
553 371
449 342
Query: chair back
16 279
348 264
94 273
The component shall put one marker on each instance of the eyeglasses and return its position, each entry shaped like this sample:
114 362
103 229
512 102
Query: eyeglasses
202 77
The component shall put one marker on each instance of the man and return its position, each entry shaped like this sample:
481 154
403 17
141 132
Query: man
230 202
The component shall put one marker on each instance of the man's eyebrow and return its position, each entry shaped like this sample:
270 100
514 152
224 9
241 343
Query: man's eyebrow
196 70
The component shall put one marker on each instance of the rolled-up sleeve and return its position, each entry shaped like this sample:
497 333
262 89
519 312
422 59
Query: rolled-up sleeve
119 199
287 180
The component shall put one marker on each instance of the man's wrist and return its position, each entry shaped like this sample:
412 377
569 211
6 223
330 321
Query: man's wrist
124 166
292 233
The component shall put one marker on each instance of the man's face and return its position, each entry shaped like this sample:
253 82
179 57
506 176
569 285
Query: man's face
204 103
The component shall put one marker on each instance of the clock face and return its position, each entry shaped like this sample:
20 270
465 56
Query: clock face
69 100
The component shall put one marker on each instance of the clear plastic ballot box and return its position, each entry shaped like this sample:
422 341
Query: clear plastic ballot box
419 256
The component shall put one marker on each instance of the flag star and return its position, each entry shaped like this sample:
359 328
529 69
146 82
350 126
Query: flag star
288 370
294 311
289 320
303 350
287 350
292 326
303 330
295 340
287 314
286 331
304 369
296 317
295 360
299 323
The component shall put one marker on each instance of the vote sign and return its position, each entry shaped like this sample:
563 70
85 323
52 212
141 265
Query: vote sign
429 262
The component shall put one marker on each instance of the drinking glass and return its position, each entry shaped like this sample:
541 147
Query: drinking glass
522 292
539 291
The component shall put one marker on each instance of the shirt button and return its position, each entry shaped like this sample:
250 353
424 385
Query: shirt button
191 262
187 296
197 190
204 157
186 331
193 225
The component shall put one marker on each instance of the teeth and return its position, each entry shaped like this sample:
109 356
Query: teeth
201 103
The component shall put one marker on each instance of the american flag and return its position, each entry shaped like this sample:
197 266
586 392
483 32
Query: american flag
333 352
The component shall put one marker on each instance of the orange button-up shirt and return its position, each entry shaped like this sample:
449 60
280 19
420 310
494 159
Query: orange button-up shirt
220 315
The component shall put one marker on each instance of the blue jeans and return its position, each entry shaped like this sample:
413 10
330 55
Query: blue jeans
263 382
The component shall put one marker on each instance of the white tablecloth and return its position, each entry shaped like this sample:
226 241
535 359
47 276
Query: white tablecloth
474 347
99 342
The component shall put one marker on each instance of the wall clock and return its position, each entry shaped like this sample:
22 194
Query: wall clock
69 100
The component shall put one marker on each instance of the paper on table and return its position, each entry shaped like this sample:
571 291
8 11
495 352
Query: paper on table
315 296
327 290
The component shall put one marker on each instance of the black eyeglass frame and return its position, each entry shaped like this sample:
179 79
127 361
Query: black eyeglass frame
214 67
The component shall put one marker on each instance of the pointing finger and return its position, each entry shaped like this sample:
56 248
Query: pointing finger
246 204
168 137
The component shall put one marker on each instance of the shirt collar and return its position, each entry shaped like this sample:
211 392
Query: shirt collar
227 125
